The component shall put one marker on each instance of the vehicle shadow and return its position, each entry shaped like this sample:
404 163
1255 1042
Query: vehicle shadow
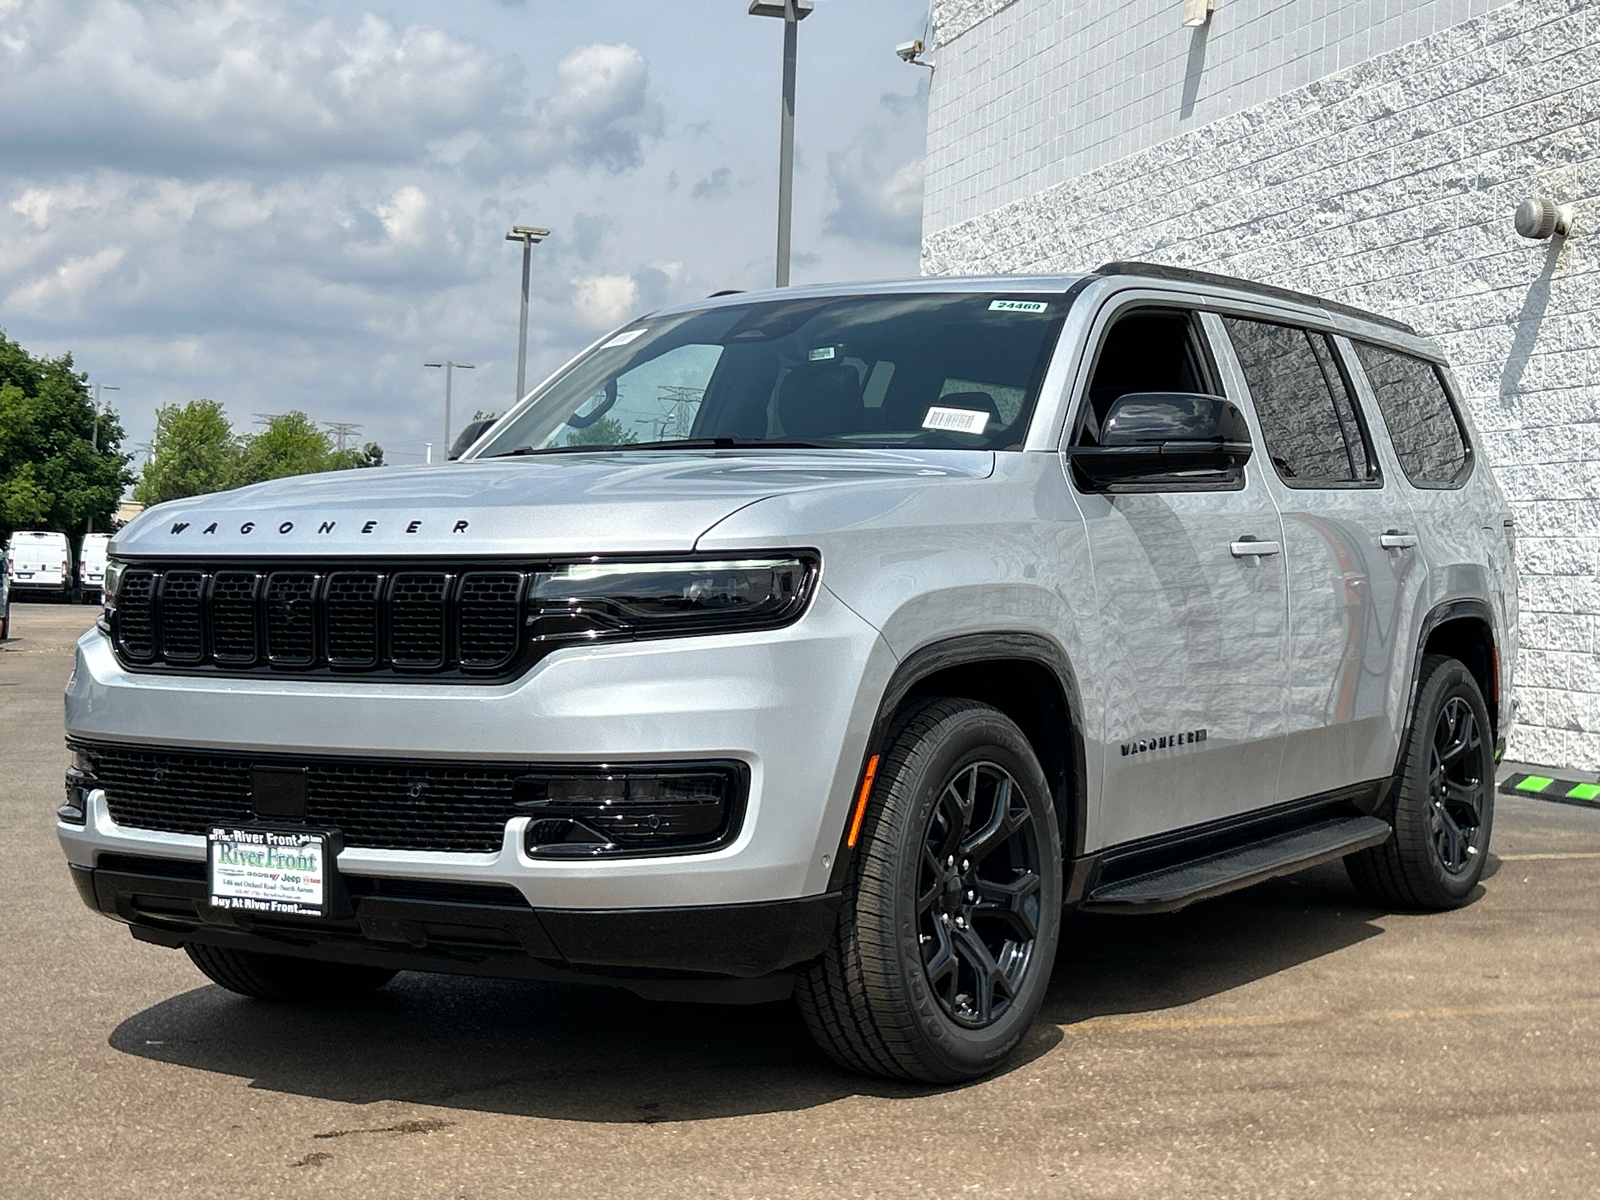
602 1055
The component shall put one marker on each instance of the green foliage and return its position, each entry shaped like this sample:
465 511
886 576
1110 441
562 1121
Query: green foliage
607 431
55 472
195 452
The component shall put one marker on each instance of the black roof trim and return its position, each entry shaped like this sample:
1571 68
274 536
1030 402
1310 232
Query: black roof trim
1185 275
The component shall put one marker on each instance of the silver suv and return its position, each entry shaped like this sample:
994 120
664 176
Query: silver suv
827 642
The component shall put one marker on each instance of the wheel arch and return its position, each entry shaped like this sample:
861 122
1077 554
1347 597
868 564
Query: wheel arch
1026 676
1463 629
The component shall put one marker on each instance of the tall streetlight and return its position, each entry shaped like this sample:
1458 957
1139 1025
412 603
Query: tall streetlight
792 12
94 438
450 368
529 236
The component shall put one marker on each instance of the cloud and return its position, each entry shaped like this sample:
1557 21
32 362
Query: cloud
605 300
715 184
877 192
190 87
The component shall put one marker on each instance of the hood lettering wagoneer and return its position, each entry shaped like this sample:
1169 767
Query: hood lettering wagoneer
810 644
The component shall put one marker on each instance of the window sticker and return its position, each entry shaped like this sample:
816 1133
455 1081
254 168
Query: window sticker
823 353
956 420
622 339
1030 306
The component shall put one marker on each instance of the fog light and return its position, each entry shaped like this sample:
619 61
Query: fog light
620 813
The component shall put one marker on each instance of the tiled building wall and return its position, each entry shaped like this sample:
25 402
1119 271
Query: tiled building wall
1029 93
1391 184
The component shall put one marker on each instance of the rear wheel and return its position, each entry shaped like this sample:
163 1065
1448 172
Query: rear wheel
952 907
1443 799
284 979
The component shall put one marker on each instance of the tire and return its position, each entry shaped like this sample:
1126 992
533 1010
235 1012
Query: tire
896 993
1443 809
5 622
283 979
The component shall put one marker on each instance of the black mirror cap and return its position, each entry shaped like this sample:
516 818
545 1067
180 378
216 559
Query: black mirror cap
471 432
1169 441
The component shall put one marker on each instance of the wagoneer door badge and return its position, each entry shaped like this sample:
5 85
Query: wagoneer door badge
1169 741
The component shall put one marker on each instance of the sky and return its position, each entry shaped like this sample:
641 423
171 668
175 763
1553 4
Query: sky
282 205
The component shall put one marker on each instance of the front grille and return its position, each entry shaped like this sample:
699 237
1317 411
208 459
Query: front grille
317 619
381 804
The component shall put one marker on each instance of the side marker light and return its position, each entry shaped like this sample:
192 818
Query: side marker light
861 801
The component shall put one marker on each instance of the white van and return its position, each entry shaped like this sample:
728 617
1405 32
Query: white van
92 566
40 563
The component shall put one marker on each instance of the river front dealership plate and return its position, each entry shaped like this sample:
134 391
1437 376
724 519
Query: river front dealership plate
261 870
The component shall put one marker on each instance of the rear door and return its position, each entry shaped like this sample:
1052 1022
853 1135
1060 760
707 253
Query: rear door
1193 605
1352 581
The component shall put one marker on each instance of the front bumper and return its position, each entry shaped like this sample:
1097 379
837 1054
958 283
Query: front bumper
796 705
668 953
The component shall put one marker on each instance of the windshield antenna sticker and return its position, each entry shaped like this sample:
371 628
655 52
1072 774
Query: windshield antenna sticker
622 339
956 420
1017 306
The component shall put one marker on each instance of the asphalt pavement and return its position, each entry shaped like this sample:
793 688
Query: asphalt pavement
1281 1042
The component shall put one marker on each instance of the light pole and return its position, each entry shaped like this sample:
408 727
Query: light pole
792 12
94 438
450 368
529 236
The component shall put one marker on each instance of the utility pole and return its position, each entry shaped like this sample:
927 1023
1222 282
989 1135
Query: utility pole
450 368
341 430
792 12
529 236
94 439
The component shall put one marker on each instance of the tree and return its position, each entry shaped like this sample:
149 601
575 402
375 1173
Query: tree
55 472
607 431
195 451
292 444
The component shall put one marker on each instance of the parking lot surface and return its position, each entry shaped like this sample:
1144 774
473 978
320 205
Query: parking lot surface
1284 1041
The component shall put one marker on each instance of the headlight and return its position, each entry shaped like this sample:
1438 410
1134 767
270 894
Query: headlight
108 595
620 599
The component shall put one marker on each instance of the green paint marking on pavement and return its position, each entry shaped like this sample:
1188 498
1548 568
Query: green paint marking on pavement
1535 783
1584 791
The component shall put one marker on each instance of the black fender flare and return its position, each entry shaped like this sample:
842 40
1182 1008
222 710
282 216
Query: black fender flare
973 649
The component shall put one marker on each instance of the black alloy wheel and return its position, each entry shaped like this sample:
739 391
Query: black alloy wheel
978 895
1442 803
1456 788
951 910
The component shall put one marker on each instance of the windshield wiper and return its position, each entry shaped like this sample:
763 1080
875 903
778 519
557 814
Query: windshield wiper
708 443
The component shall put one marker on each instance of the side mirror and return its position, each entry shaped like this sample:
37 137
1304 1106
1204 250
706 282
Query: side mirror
1175 438
471 432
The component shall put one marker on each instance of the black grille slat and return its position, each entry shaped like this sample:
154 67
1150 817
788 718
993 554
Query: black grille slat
351 605
417 619
393 620
233 617
375 804
182 640
291 618
136 618
487 618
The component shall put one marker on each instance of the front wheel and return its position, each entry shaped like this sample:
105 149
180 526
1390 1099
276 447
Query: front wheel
1443 799
285 979
952 905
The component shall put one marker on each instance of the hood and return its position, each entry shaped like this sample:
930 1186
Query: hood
597 503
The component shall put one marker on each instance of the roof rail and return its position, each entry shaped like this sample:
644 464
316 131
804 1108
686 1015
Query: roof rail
1185 275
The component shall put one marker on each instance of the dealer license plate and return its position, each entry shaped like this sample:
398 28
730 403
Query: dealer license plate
264 870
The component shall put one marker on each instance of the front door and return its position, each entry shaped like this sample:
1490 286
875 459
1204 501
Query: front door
1193 610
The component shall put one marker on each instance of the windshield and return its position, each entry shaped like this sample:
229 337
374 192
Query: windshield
933 370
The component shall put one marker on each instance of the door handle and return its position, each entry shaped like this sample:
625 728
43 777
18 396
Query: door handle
1249 547
1394 539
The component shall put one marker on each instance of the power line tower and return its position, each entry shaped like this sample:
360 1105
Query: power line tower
266 418
341 430
680 404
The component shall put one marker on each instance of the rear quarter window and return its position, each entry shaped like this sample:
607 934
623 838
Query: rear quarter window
1429 438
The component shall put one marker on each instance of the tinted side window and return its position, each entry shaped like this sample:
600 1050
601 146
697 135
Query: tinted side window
1307 416
1427 435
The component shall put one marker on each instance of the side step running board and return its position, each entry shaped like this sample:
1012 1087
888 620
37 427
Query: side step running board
1173 887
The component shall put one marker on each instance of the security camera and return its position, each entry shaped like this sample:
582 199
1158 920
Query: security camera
910 50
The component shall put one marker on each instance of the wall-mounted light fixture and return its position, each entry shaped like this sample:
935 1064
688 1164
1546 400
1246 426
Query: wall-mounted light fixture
1539 217
1197 12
